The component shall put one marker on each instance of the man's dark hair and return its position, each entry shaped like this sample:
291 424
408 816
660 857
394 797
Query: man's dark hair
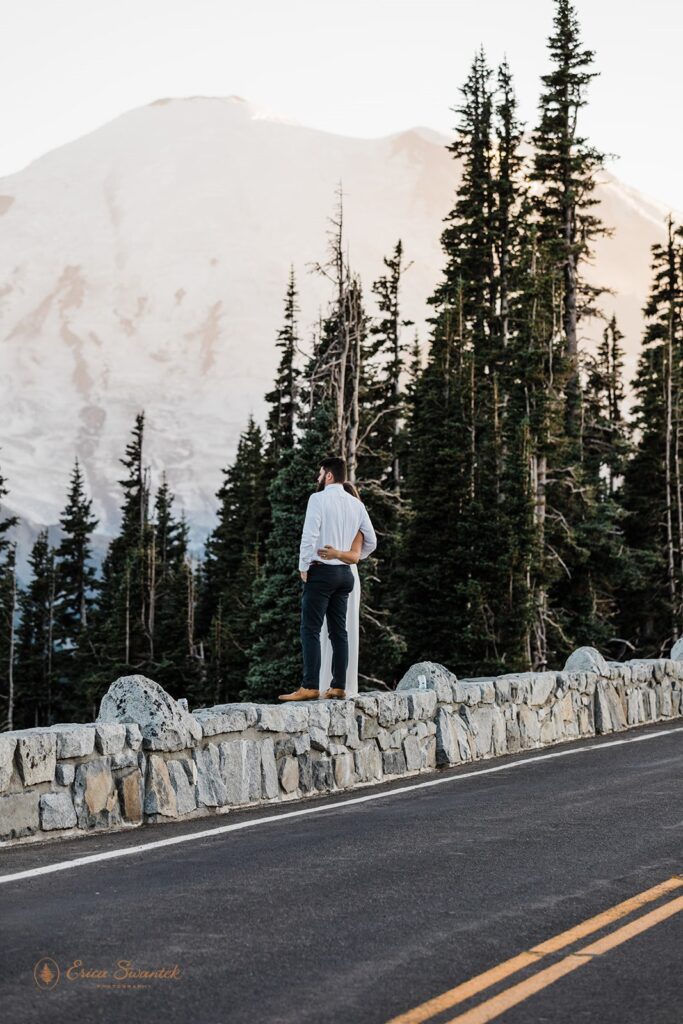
335 466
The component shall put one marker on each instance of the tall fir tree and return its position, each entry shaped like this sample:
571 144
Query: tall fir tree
380 475
652 615
122 631
8 613
36 638
75 599
283 398
233 564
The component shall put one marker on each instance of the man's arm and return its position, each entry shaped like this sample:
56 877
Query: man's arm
369 535
310 534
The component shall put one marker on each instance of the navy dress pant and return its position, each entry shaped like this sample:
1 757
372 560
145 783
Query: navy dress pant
326 592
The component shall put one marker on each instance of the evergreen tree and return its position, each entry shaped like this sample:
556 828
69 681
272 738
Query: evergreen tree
380 451
283 398
652 616
232 566
75 600
123 630
36 638
8 612
565 165
177 661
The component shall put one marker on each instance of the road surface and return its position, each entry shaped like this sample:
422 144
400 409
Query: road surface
428 899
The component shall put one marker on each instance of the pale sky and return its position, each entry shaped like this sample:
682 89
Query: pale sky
354 67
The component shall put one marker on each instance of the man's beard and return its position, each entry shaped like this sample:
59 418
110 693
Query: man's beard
320 485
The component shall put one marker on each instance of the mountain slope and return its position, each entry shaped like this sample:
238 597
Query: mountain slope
144 266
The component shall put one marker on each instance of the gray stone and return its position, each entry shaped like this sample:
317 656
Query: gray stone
529 727
437 678
212 789
95 797
393 762
344 774
542 688
181 774
616 708
19 815
302 742
269 781
306 784
285 746
366 702
160 797
225 718
548 734
341 717
481 720
8 745
128 759
352 738
288 771
384 739
164 724
586 659
392 708
498 732
289 717
36 755
323 774
513 739
413 753
57 811
319 715
398 735
74 740
447 751
319 739
428 752
421 704
110 737
133 736
240 769
368 728
368 762
467 692
65 774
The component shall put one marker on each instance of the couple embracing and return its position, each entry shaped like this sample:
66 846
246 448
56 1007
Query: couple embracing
337 533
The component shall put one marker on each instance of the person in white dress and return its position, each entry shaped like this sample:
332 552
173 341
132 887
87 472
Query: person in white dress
351 558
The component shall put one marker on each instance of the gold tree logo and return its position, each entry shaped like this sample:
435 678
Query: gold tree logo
46 973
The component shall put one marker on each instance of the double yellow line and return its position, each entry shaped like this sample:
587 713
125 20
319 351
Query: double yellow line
517 993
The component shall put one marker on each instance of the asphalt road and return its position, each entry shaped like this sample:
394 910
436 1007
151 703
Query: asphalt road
365 909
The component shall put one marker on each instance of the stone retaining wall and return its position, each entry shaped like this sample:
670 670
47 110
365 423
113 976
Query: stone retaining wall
147 759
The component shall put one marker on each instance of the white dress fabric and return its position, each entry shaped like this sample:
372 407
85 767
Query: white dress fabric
353 630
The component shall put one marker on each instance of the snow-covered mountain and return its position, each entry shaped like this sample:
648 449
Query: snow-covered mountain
145 265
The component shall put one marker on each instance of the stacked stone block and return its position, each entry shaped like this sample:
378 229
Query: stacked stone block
147 759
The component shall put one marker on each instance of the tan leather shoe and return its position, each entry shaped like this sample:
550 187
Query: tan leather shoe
301 694
334 694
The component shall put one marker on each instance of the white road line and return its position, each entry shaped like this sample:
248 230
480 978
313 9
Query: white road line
189 837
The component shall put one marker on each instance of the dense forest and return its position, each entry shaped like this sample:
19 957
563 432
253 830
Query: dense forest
520 512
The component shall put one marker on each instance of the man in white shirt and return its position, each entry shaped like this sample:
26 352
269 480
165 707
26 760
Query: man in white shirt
333 518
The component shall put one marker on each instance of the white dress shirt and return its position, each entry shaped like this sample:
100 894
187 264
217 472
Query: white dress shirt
334 517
